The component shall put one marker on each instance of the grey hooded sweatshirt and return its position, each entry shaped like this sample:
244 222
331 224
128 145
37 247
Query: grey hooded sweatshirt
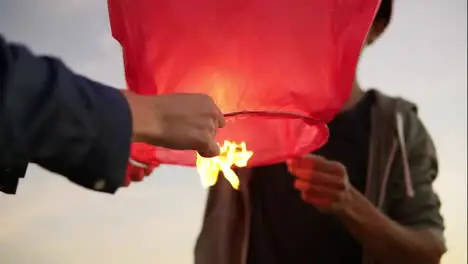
402 167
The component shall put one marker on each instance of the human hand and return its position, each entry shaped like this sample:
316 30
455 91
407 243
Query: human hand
176 121
322 183
141 163
137 172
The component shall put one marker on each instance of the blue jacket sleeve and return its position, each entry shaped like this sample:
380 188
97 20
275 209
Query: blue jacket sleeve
61 121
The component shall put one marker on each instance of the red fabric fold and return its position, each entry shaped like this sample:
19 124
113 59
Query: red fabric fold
141 163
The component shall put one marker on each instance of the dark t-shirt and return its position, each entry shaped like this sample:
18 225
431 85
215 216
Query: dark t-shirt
285 229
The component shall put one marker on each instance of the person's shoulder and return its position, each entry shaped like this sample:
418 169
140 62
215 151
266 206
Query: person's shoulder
392 104
404 116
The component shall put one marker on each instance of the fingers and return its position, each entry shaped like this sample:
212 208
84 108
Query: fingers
213 110
317 163
209 148
220 119
133 174
318 202
318 171
148 171
320 178
321 182
317 191
213 129
127 181
183 122
217 114
324 199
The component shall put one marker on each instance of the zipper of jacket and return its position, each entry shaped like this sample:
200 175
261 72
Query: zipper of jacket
386 175
404 155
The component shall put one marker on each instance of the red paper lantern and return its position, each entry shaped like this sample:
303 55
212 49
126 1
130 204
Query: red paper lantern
279 69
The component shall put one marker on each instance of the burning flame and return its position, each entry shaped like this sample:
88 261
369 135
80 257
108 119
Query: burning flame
231 154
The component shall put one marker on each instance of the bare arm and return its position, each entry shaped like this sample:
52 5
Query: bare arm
386 240
414 231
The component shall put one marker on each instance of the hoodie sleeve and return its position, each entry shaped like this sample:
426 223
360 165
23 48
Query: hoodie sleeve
65 123
417 205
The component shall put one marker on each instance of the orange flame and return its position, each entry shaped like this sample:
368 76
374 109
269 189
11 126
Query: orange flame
231 154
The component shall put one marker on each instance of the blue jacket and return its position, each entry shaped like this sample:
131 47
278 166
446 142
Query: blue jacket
61 121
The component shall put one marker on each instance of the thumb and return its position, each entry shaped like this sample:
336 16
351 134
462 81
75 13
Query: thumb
211 149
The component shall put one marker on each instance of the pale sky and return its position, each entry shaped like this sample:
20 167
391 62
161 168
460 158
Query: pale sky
51 221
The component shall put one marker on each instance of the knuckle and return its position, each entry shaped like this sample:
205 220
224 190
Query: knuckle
337 196
203 99
309 189
205 139
209 127
335 164
338 166
207 98
202 137
197 139
342 184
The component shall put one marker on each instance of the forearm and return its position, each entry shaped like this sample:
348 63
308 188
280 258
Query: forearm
64 122
386 240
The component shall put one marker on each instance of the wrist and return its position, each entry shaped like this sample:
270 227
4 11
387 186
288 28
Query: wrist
351 205
360 216
356 209
145 128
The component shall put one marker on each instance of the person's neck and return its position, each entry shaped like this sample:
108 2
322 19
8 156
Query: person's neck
356 95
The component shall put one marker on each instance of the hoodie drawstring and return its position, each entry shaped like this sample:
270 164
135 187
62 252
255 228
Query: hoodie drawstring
404 155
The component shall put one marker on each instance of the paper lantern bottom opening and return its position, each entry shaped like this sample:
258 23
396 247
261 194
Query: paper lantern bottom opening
273 137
